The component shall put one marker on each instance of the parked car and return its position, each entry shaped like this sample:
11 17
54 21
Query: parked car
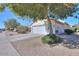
77 30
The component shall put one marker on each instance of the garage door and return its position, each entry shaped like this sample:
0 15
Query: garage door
39 30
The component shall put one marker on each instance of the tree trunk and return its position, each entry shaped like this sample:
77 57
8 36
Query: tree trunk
50 26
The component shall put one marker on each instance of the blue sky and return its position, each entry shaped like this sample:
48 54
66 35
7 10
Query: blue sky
7 14
71 20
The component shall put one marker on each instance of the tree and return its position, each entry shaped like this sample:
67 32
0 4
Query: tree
21 29
11 24
2 7
75 28
39 11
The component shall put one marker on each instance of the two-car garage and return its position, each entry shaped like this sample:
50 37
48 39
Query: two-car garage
39 29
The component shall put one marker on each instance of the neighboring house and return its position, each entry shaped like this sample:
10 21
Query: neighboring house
41 27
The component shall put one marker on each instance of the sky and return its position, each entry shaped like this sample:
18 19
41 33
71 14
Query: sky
8 14
71 20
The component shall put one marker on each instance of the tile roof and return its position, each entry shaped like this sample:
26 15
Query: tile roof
59 23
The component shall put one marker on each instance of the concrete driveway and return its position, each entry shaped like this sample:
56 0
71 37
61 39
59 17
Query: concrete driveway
34 47
30 44
6 48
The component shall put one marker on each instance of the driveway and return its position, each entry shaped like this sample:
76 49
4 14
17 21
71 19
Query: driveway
6 48
31 45
34 47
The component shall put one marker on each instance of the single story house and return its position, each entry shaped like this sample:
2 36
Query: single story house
41 27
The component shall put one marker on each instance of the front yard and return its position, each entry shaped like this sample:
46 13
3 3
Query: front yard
34 47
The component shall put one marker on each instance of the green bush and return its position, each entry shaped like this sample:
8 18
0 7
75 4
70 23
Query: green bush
21 29
68 31
50 39
75 28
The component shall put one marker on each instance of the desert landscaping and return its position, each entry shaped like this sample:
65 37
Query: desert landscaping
39 29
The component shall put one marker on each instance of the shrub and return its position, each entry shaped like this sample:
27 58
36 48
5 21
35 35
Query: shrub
21 29
75 28
68 31
50 39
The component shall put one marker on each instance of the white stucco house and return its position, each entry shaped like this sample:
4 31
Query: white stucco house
41 27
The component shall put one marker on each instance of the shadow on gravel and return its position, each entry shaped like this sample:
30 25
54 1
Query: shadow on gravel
71 43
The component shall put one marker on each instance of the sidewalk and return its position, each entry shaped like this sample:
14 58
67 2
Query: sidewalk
6 49
22 36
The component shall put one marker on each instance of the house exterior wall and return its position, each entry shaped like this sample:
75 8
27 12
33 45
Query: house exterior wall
58 28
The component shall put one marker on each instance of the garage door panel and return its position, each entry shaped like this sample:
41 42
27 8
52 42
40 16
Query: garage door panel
39 30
